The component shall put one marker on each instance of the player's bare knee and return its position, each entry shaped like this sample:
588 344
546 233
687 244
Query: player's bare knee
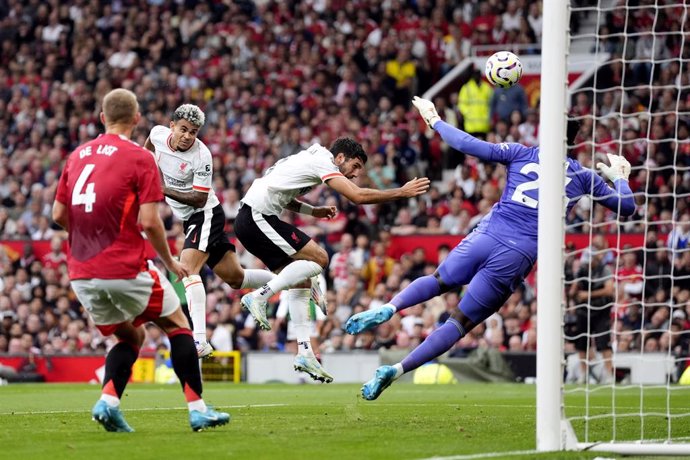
466 323
175 321
131 335
235 279
443 287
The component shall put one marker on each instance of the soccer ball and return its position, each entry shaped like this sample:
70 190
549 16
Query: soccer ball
503 69
434 374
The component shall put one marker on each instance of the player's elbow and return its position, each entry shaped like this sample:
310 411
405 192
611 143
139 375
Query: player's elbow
627 208
149 223
199 199
357 198
148 226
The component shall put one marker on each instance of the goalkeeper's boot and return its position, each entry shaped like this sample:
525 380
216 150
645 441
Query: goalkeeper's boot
317 295
385 375
201 420
257 308
110 417
203 349
370 318
312 366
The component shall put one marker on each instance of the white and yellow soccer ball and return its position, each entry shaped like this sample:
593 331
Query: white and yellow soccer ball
434 374
503 69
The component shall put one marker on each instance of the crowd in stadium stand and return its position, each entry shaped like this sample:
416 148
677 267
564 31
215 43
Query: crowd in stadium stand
273 77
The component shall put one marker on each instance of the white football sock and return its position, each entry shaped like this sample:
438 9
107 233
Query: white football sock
298 306
294 273
110 400
199 405
398 370
196 301
256 278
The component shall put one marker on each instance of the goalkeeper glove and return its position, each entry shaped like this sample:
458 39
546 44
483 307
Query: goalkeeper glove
427 110
619 169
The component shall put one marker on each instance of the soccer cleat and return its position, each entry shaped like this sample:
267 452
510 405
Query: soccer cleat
203 349
385 375
209 419
110 417
317 294
368 319
258 310
312 366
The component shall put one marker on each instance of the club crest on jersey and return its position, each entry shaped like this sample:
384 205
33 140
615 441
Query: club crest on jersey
183 166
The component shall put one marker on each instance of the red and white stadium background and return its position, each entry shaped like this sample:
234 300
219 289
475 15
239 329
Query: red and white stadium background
87 368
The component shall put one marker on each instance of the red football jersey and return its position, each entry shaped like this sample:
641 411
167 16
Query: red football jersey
103 184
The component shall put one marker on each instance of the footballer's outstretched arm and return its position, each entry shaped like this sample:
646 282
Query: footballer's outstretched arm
360 195
456 138
621 200
322 212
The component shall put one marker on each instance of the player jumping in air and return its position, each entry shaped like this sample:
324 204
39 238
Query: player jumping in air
106 187
287 250
494 258
186 166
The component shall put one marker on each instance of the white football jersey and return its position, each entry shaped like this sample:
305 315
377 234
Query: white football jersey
184 171
289 178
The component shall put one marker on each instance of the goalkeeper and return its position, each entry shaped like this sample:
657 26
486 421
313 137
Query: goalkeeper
495 258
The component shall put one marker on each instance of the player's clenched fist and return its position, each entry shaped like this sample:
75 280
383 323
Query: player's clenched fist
325 212
416 187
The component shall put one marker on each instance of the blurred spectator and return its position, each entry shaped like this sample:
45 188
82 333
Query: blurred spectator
473 103
274 76
505 101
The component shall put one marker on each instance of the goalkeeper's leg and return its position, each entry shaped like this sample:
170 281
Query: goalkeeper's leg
486 293
455 271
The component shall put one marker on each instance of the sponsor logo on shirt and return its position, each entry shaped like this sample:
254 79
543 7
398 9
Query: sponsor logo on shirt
172 182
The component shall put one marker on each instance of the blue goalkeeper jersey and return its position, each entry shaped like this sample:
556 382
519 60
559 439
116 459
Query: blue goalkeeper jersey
513 220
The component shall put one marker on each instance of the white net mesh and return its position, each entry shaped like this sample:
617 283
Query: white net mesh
627 327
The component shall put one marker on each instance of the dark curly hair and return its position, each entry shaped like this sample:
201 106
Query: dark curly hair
350 148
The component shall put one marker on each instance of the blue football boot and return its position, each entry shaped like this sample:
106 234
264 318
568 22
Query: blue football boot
110 417
385 375
209 419
368 319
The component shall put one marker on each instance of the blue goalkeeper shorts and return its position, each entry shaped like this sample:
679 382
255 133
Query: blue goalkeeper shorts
492 270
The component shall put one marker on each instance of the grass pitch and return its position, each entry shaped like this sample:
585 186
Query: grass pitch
309 422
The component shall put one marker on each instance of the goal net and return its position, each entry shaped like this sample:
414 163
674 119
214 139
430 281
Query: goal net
624 282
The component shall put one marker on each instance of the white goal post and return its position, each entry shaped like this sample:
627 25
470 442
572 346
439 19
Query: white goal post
556 402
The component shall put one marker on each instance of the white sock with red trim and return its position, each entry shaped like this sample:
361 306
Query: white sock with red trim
196 301
256 278
298 306
294 273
